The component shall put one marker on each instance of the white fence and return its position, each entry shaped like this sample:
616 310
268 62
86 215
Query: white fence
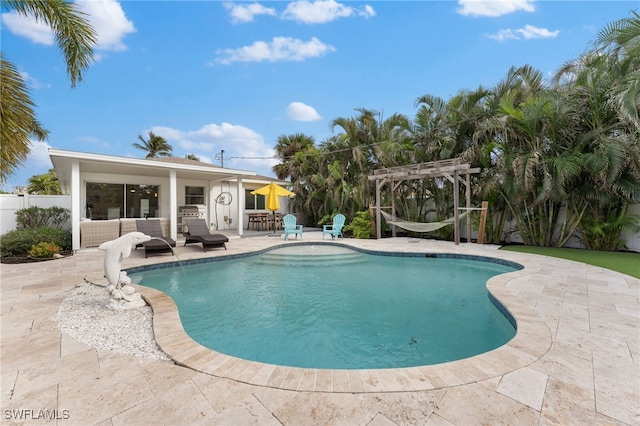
11 203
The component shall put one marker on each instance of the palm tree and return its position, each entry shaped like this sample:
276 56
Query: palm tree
598 83
45 184
621 40
192 157
156 146
286 149
18 122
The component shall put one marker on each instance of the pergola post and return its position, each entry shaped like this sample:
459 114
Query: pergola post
378 215
456 210
468 197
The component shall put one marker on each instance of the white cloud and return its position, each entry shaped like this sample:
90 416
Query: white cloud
93 141
22 26
37 162
322 11
493 8
299 111
528 32
243 148
33 82
367 11
279 49
105 16
39 156
503 35
109 21
241 13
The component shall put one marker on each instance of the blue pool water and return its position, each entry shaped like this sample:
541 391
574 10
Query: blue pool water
325 306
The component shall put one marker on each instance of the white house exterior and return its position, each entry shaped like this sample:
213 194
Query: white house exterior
106 187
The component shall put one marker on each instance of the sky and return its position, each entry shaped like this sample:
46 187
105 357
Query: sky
212 76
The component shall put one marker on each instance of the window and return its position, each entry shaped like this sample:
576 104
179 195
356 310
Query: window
253 202
194 194
114 201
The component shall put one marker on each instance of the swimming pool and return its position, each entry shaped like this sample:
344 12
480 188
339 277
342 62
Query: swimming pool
325 306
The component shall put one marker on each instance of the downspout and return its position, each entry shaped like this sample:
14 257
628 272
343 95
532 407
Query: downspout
75 204
240 198
173 205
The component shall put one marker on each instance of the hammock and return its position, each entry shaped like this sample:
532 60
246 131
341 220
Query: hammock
419 226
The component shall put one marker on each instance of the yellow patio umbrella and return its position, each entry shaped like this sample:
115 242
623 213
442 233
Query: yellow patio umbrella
272 192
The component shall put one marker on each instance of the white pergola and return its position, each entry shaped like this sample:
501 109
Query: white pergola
452 170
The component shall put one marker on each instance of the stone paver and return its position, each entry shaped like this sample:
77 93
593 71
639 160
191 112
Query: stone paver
574 360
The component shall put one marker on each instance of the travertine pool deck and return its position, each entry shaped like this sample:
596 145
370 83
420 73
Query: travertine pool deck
575 359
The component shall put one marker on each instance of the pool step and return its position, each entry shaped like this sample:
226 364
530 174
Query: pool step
309 259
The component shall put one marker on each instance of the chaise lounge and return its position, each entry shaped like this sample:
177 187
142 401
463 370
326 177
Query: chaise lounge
198 232
159 243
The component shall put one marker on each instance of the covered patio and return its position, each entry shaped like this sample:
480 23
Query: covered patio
171 180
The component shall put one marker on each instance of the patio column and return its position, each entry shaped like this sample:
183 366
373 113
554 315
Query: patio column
75 204
173 205
240 198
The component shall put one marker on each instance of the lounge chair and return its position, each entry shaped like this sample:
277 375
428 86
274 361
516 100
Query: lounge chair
198 232
291 227
158 243
335 230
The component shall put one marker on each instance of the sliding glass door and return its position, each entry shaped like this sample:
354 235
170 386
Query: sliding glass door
114 201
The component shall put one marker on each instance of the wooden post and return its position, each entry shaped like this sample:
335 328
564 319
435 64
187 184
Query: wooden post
483 221
372 212
456 210
468 200
378 224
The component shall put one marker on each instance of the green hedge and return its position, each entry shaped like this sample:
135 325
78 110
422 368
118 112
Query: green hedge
20 241
39 217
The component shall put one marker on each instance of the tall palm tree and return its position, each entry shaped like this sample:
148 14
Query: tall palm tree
156 146
604 84
18 122
621 40
286 149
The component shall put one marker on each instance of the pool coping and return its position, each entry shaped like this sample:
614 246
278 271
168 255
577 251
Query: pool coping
532 340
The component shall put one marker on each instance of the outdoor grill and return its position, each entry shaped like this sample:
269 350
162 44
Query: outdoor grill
197 211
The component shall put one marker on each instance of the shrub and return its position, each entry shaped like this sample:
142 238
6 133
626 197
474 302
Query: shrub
44 250
38 217
360 226
20 241
327 219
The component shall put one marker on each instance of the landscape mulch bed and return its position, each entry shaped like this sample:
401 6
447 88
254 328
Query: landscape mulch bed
25 258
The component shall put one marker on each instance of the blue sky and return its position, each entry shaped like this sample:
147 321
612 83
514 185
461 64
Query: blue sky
234 76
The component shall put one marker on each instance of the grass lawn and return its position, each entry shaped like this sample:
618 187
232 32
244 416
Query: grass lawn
625 262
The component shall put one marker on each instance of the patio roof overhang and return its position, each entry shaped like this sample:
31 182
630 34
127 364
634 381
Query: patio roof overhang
99 163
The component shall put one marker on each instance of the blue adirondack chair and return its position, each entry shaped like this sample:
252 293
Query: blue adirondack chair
335 230
290 226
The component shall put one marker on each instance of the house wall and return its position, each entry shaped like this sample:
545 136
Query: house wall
163 184
219 216
11 203
222 216
218 211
